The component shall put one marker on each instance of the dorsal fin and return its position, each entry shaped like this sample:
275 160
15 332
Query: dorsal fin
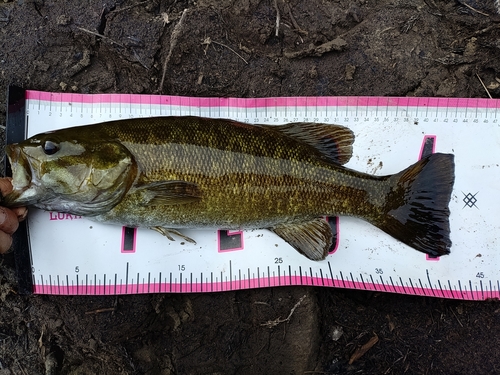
333 141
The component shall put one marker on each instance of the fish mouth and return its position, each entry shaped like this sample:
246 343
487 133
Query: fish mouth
22 176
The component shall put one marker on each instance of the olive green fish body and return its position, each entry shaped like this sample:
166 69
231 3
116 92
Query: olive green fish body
259 179
191 172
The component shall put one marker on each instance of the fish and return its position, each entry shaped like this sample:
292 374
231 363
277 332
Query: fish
172 173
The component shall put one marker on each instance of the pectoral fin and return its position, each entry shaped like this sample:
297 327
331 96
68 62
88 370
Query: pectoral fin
168 232
312 239
169 193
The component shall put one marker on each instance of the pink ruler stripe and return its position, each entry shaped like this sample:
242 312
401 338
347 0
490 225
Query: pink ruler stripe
197 287
300 101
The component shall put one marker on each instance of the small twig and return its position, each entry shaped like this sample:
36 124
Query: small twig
277 321
208 41
474 10
128 7
294 22
487 29
277 17
173 42
20 367
100 36
98 311
456 317
362 350
482 83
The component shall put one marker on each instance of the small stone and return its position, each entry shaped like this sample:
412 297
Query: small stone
313 73
336 333
493 85
349 72
42 66
63 20
63 86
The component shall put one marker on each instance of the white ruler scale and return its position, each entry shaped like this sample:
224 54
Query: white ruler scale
72 255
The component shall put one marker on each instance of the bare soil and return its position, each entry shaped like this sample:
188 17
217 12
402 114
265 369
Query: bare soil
234 48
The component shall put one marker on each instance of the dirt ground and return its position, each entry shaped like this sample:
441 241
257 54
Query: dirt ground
234 48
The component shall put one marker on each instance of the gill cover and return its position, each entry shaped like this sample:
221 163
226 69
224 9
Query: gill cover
75 174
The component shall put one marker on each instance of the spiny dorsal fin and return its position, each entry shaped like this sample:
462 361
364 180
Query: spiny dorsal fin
169 193
333 141
312 239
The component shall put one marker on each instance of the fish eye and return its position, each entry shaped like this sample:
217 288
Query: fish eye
50 147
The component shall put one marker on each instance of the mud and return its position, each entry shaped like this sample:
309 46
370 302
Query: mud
237 48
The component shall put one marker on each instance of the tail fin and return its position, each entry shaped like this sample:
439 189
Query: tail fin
417 210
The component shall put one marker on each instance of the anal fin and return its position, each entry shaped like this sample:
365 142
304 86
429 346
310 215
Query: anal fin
312 239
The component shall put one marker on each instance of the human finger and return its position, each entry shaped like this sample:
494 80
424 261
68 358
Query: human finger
5 242
8 221
21 212
5 185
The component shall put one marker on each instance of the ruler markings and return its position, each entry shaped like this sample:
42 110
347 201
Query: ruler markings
451 289
352 279
383 283
373 283
422 287
342 278
429 280
126 279
413 287
303 108
460 288
394 288
331 273
363 282
230 274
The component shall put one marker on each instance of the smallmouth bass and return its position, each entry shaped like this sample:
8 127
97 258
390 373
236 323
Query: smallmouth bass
169 173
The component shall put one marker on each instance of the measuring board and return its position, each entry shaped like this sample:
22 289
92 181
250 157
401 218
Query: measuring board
66 254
